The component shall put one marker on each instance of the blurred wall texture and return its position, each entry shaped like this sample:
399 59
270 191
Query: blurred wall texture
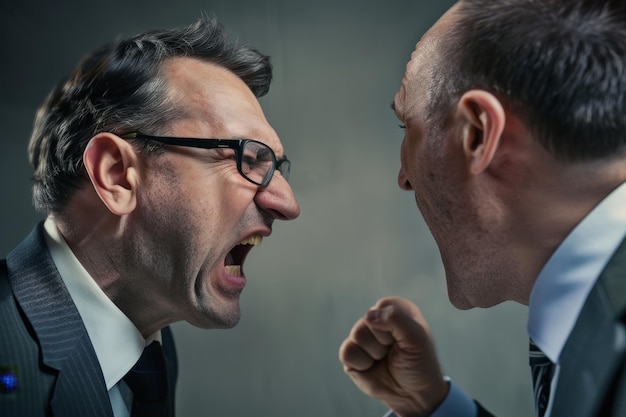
337 66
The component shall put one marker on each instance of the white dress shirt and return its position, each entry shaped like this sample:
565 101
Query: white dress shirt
560 291
117 342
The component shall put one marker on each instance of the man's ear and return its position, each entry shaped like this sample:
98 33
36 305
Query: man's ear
485 119
112 167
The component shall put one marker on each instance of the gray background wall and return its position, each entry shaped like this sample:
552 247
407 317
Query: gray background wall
337 67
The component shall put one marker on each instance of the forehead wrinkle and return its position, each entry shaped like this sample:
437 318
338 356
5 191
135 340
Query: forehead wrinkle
421 70
218 102
262 132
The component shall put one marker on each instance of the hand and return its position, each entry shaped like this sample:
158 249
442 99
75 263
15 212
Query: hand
389 355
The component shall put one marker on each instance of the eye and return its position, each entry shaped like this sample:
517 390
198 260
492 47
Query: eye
249 160
402 126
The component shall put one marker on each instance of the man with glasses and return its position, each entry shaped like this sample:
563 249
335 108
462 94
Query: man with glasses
515 148
158 172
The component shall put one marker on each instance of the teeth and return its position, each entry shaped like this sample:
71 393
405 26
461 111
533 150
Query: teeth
254 240
233 270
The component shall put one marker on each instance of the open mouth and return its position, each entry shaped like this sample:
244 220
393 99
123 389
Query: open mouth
235 258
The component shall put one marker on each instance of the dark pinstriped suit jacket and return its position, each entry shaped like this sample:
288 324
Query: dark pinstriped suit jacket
44 342
592 379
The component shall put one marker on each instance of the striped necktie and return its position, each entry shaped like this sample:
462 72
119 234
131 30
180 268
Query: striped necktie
148 382
542 370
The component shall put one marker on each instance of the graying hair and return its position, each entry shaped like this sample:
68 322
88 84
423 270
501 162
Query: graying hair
119 88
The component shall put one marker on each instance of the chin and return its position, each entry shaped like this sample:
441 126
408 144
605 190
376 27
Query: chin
226 320
223 323
460 302
464 301
457 295
217 318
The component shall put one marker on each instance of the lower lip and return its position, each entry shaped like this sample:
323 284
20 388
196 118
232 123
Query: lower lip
233 283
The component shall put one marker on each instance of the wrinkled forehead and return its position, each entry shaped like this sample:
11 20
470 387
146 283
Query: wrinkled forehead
416 80
425 61
429 47
217 103
204 88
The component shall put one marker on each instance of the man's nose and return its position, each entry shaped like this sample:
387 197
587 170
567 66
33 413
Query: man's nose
278 199
403 182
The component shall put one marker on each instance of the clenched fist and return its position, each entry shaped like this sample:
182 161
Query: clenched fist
389 355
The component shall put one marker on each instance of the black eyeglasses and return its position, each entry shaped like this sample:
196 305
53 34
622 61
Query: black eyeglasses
256 161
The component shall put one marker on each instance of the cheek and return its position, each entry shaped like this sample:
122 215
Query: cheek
223 209
231 198
417 169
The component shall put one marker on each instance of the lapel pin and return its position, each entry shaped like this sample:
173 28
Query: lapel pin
8 380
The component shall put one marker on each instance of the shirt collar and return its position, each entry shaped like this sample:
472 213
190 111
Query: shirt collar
117 342
564 283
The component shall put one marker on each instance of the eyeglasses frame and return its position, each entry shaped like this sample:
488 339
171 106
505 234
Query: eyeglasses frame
236 144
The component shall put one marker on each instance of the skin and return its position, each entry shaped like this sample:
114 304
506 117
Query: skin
497 205
154 231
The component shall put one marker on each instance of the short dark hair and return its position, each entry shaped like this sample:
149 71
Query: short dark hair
118 88
560 64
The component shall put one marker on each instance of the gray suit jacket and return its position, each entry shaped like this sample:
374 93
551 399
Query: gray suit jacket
592 378
44 344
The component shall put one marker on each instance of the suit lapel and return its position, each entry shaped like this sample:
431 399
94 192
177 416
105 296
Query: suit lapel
63 339
171 363
596 346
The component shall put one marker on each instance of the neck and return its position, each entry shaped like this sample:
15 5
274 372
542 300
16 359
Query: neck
557 198
104 248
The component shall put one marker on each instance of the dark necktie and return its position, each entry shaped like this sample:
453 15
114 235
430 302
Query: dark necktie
542 370
148 382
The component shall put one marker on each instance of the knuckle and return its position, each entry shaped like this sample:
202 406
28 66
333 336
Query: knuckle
361 334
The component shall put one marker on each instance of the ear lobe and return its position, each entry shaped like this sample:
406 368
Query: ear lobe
485 120
111 164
